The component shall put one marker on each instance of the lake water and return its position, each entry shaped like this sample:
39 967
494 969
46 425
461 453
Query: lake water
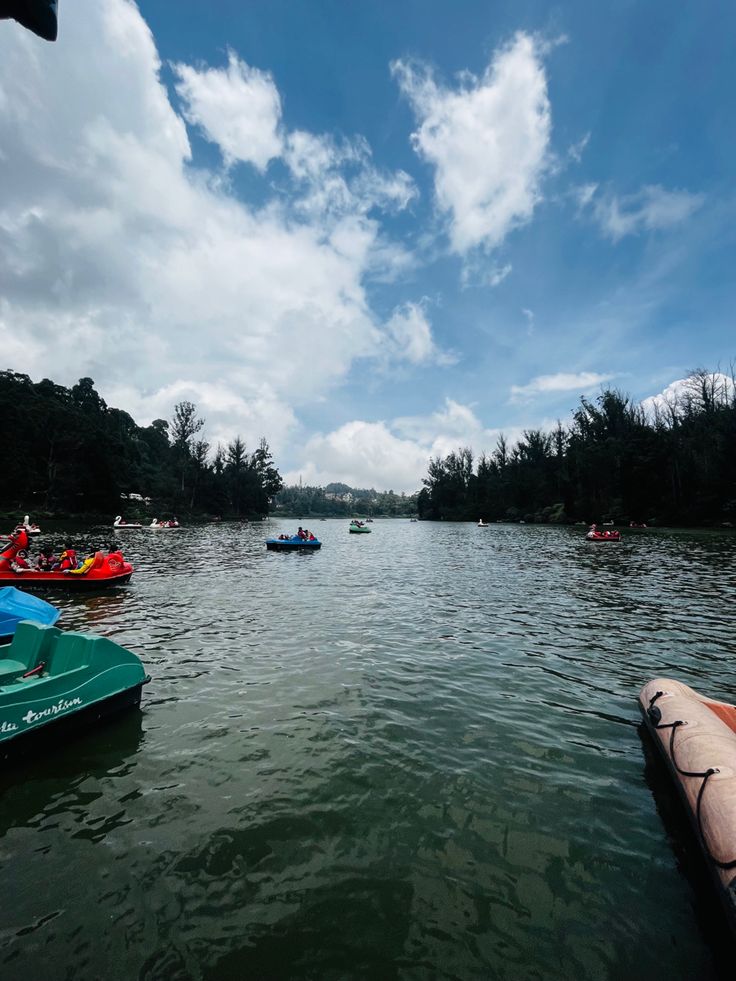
414 754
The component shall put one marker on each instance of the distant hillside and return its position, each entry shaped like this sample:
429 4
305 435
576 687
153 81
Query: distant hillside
337 499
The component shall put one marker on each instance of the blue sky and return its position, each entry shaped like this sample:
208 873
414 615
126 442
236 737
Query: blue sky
370 232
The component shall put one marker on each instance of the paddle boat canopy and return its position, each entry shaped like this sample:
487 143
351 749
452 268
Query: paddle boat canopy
52 681
16 606
696 738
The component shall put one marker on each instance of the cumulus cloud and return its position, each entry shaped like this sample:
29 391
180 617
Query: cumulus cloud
121 261
410 330
583 381
451 426
238 108
398 451
693 390
650 209
363 454
488 140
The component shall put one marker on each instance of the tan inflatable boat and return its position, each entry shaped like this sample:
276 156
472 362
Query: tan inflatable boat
697 737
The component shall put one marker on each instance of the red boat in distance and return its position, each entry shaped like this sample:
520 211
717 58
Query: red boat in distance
602 536
97 571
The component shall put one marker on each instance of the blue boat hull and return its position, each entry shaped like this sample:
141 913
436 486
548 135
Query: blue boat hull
292 545
16 606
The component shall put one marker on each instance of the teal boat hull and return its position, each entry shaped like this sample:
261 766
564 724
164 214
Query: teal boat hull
52 683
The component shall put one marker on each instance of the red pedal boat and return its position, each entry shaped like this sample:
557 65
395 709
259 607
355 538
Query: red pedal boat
98 571
602 536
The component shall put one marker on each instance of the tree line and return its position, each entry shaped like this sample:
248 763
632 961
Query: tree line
674 464
341 500
66 452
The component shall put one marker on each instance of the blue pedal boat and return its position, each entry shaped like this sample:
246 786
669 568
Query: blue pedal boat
16 605
52 682
293 544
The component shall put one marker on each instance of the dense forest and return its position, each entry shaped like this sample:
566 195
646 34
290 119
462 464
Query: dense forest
66 452
340 500
675 464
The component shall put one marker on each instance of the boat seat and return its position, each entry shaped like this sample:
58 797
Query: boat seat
9 670
32 644
71 651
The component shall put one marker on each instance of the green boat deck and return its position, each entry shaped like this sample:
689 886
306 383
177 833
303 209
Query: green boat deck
47 675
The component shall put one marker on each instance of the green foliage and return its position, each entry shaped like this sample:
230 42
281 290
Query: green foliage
340 500
612 463
66 451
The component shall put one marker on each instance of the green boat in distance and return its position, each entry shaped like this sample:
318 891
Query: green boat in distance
358 528
52 682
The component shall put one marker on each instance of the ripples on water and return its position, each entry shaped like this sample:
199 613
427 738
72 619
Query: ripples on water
413 755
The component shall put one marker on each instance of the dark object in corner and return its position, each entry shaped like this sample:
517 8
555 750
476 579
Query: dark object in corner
38 16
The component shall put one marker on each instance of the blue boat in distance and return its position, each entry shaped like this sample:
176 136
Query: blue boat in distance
293 544
16 605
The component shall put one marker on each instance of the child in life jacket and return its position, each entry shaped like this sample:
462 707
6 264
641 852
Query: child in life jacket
67 560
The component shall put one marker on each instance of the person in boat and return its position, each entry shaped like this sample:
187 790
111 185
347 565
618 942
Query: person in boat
20 562
311 537
46 559
301 533
67 560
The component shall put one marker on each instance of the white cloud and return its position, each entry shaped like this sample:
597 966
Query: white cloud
338 177
448 428
487 139
678 394
650 209
576 150
363 454
396 454
237 107
410 336
584 194
583 381
120 261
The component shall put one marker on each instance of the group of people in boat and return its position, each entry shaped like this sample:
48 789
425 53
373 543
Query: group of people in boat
593 532
303 533
15 556
45 561
357 524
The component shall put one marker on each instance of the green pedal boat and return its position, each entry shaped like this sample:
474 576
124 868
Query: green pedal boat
52 682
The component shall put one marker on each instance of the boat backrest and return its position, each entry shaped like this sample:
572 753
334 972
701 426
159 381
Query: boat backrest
71 651
32 643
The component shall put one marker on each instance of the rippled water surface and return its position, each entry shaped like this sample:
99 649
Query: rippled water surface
414 754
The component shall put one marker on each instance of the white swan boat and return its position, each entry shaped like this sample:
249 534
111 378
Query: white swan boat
30 528
119 523
165 525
